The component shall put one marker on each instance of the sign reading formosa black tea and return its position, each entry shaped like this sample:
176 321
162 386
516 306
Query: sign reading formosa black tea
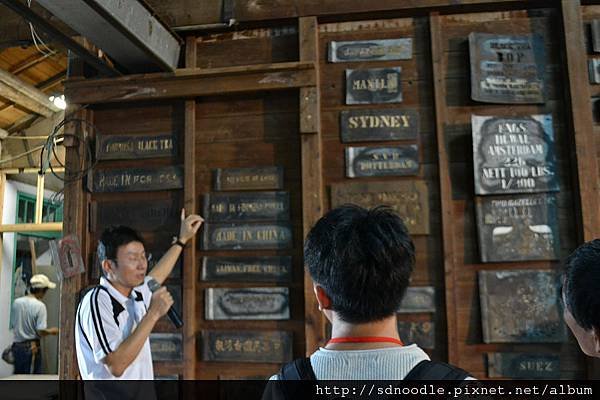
166 346
371 86
507 69
523 365
257 178
135 179
146 216
247 236
247 269
514 154
128 147
379 125
421 333
247 303
247 346
247 206
520 306
382 161
410 199
371 50
518 228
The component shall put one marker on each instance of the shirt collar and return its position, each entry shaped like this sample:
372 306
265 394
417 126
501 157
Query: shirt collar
135 295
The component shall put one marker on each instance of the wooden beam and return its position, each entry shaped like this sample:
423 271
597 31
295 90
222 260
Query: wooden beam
25 95
191 82
439 95
190 266
312 173
43 227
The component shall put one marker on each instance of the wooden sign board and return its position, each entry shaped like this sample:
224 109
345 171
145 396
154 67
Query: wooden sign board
373 86
135 179
420 332
247 269
409 199
418 299
523 365
247 346
166 346
379 125
507 69
514 154
66 254
382 161
246 206
258 303
133 147
595 28
257 178
518 228
520 306
256 236
594 70
371 50
144 216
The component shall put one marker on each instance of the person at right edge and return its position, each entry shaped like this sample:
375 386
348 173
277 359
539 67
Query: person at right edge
360 262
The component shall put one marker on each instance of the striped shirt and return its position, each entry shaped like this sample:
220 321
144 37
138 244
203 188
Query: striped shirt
105 318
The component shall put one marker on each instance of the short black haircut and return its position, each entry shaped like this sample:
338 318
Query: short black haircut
33 290
114 237
582 285
363 259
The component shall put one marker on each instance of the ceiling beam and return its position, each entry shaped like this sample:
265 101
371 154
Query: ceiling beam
25 95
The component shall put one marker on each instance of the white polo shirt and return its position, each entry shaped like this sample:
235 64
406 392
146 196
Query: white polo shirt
105 318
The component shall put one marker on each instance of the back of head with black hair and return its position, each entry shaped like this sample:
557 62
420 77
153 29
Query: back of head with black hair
582 284
114 237
363 259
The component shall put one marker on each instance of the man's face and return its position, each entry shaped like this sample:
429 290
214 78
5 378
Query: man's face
132 264
586 339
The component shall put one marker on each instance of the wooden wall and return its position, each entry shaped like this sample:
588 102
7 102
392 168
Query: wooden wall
247 128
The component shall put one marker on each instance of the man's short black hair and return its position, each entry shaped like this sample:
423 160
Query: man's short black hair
582 284
363 259
114 237
33 290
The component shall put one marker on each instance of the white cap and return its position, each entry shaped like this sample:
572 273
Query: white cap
41 281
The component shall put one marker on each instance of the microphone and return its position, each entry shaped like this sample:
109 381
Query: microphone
172 313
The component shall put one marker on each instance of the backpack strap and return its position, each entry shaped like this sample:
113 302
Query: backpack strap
428 370
299 369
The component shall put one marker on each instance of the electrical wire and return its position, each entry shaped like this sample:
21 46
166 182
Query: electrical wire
36 38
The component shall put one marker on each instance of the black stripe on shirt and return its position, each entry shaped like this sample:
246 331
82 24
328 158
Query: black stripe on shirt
93 312
78 318
100 323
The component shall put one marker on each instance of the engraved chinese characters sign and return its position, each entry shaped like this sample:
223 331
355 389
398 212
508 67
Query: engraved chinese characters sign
520 306
247 303
518 228
129 147
247 206
379 125
523 365
507 69
247 269
166 346
513 154
247 346
382 161
372 86
258 178
418 299
247 236
135 179
421 333
409 199
370 50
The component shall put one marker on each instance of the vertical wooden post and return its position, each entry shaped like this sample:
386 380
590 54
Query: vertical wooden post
439 95
584 150
189 272
73 223
2 187
312 171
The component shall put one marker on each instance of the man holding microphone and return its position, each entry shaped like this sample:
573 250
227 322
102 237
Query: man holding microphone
115 319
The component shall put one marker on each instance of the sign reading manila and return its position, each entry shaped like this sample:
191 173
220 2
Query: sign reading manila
507 69
372 86
520 306
513 154
379 125
371 50
518 228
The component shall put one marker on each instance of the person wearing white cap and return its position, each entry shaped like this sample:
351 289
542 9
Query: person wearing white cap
28 320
